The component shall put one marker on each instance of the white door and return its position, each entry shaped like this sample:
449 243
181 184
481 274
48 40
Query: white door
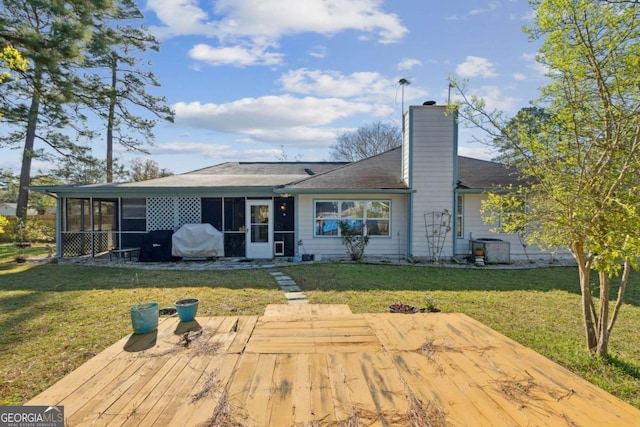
259 229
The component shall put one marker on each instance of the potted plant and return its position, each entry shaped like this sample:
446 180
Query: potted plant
187 309
144 317
478 252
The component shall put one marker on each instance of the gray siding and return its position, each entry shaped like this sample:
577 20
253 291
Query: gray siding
431 172
475 228
393 246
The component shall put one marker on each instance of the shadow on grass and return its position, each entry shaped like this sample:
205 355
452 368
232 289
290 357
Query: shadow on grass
623 366
366 277
57 277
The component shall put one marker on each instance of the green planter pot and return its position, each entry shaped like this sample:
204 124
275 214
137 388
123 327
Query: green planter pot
144 317
187 309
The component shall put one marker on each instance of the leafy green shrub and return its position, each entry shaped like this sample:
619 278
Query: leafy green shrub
3 223
31 230
355 242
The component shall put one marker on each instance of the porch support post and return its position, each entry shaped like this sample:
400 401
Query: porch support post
59 220
93 237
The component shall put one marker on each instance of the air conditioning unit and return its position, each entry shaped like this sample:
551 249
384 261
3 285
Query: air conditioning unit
496 251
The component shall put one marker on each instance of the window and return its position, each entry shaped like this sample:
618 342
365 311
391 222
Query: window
460 216
134 214
370 217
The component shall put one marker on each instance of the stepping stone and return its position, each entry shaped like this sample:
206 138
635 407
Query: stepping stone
298 301
294 295
290 288
286 282
276 273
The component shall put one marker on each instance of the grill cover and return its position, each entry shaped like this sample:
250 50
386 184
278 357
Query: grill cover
197 241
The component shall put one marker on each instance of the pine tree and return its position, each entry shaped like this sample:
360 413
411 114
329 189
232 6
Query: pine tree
117 82
51 37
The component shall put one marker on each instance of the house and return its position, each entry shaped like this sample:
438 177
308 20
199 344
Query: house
420 200
9 209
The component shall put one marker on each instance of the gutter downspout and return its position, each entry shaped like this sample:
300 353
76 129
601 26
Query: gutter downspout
454 245
410 184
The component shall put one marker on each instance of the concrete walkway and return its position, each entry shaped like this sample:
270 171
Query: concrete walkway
292 292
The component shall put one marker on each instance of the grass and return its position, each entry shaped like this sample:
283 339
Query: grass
9 252
53 317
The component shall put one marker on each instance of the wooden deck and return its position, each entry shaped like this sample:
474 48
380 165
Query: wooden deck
323 366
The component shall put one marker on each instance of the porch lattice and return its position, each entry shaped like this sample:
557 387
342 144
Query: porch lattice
171 213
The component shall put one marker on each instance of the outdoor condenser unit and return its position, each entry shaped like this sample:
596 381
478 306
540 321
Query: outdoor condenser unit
496 251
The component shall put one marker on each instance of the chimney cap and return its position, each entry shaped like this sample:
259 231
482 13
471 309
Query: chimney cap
429 103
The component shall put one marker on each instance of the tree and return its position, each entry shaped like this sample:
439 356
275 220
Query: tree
365 142
148 169
10 60
527 122
88 170
51 37
586 192
116 90
9 183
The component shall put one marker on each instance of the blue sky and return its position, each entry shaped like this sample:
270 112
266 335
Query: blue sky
251 79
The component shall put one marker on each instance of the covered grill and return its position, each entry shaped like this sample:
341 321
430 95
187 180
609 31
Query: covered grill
197 241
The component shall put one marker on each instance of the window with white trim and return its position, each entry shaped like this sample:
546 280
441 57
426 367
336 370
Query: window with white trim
371 217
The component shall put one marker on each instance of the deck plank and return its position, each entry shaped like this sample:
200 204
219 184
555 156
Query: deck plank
293 311
324 366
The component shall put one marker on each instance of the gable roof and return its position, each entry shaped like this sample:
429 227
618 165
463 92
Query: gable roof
379 172
382 172
239 174
485 175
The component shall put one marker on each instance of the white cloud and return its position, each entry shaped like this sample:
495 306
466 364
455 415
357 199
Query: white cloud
272 118
369 87
319 52
495 99
539 69
180 17
519 76
282 120
475 66
334 84
211 150
475 12
236 55
481 11
272 19
408 63
476 151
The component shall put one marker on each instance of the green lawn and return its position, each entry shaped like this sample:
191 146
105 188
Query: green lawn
9 252
53 317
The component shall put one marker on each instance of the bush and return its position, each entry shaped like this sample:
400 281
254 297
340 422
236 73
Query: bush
355 242
3 223
32 230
